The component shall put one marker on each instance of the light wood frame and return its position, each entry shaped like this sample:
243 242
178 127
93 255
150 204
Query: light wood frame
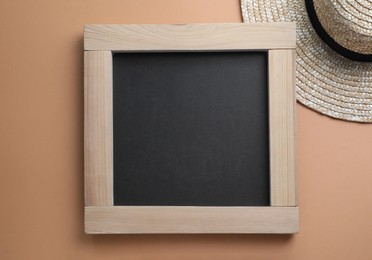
101 216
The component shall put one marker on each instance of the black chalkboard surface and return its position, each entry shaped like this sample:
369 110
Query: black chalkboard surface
191 129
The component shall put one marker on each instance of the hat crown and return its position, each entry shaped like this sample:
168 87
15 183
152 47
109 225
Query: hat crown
348 22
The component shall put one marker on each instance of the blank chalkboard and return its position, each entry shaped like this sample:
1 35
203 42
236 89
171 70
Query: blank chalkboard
191 129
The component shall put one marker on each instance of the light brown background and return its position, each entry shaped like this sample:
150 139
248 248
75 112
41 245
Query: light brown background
41 149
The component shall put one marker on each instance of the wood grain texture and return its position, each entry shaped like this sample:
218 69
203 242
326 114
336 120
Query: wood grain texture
233 36
124 219
98 133
282 127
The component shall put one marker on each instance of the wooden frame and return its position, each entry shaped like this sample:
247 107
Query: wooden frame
101 216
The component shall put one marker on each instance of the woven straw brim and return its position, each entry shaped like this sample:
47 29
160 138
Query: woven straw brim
326 81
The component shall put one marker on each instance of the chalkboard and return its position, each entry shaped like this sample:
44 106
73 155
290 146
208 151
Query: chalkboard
191 129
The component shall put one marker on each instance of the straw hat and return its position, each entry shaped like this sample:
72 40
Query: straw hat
334 52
